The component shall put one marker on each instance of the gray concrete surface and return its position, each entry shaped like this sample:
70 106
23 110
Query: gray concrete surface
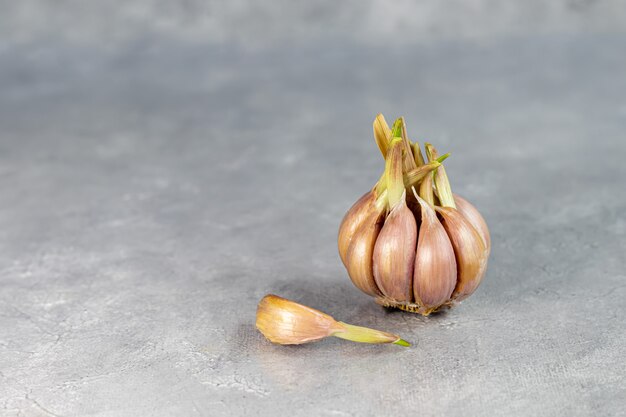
161 169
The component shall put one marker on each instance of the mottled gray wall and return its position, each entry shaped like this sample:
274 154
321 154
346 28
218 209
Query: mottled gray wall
261 23
163 165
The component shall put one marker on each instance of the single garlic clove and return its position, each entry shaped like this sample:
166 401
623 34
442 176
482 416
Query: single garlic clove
426 190
475 218
288 323
394 253
352 220
470 251
359 254
435 273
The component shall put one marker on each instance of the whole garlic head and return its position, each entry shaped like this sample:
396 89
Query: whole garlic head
418 257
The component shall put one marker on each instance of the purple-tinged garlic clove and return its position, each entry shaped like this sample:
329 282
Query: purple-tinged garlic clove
435 272
475 218
286 322
470 251
394 254
360 252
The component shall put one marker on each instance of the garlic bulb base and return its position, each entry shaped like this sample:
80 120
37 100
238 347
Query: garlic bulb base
411 307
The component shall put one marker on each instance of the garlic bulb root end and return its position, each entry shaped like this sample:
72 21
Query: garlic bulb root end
411 307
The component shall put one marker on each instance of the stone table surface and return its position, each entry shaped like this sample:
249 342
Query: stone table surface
162 169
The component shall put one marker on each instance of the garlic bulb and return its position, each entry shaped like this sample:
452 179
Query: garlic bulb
286 322
421 256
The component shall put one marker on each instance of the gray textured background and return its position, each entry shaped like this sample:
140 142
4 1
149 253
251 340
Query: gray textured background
163 165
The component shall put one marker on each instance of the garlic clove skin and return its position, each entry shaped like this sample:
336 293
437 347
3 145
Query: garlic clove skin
288 323
469 248
475 218
435 273
352 220
394 254
360 252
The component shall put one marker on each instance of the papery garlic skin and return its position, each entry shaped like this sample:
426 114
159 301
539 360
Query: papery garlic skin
394 251
435 272
352 220
469 248
475 218
360 254
288 323
382 134
394 254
